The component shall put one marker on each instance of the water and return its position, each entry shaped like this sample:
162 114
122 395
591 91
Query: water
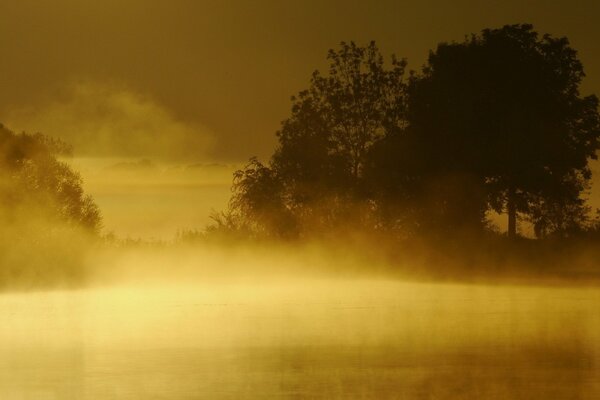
301 339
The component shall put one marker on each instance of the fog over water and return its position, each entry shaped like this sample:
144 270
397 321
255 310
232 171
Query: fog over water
263 322
301 338
230 322
227 321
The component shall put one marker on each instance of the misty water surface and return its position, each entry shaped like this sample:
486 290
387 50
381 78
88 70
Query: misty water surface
306 339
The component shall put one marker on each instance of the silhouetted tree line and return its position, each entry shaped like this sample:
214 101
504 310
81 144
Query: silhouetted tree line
493 123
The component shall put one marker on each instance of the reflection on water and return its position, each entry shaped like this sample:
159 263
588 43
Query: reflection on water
309 339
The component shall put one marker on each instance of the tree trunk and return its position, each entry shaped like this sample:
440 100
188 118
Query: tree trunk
512 213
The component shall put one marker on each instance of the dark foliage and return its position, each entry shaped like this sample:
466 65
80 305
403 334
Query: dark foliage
34 181
502 110
315 180
493 123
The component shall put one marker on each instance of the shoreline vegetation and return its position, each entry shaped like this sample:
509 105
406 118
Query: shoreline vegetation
378 172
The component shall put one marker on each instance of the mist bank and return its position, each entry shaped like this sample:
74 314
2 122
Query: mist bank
491 259
44 245
151 198
78 261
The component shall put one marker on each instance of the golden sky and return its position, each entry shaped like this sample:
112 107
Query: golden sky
216 76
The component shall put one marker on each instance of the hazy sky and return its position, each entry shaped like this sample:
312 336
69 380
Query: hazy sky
221 71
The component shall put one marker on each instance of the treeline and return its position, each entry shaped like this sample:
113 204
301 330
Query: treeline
493 123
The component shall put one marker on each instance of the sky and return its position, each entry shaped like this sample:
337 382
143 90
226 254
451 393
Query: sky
212 80
202 86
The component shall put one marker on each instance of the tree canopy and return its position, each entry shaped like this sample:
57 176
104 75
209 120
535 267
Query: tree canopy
504 109
493 123
316 176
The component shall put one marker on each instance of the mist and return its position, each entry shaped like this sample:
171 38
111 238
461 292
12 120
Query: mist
326 318
228 321
110 119
152 199
174 225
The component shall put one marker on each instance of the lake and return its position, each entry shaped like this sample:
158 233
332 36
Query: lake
301 338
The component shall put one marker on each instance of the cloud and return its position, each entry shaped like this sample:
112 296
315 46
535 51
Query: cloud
101 119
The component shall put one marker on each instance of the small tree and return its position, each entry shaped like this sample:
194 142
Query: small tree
36 184
257 204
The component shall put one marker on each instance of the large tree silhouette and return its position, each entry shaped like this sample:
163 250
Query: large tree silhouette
315 177
495 122
343 113
503 110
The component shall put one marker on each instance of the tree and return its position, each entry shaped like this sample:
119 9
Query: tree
36 185
337 119
503 111
257 201
47 219
315 178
